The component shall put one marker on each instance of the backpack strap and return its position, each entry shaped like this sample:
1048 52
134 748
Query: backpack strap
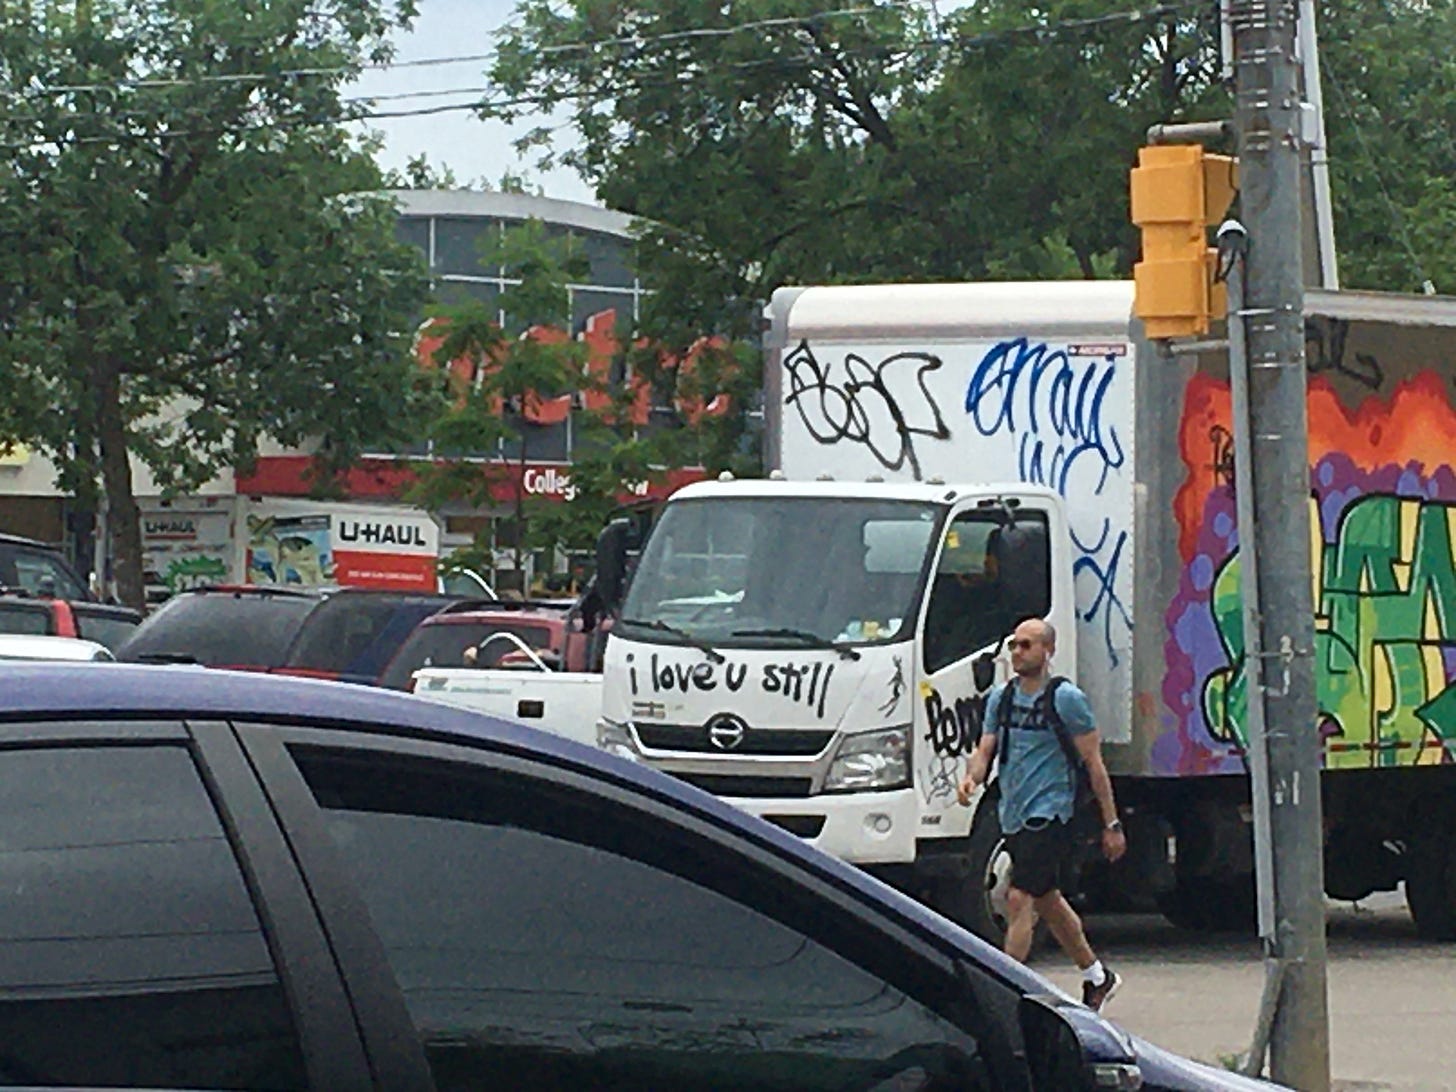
1076 768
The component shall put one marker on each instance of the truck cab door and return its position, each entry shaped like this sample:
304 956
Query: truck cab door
992 571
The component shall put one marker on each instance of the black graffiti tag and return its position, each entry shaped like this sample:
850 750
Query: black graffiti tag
1324 351
953 730
897 689
859 407
806 683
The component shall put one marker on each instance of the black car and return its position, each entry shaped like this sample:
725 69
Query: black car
226 881
36 568
348 634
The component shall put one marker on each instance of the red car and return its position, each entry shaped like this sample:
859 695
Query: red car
470 635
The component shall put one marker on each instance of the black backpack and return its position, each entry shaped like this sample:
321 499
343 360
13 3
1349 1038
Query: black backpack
1086 812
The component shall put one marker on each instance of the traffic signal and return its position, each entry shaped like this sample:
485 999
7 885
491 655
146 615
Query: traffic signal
1178 192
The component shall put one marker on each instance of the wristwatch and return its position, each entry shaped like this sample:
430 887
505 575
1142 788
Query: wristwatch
1116 825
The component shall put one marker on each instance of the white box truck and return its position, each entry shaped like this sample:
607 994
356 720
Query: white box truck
817 646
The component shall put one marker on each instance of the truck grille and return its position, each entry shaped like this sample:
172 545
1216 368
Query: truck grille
746 785
693 738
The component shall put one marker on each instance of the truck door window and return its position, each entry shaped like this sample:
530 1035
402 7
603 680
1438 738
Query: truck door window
991 575
561 949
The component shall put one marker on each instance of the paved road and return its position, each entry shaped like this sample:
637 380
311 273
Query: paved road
1392 996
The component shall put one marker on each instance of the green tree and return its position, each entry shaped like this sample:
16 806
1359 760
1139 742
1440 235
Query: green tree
771 142
507 367
496 370
195 253
1390 103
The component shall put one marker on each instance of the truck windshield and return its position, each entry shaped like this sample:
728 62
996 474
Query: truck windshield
768 571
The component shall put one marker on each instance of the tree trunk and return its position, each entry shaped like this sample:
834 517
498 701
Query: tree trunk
123 516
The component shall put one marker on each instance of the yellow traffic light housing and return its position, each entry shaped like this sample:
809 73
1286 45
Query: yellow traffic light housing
1178 191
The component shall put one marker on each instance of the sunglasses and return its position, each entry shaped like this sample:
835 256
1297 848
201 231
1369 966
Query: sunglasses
1022 643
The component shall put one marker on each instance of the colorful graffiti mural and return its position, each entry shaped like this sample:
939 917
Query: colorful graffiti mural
1383 530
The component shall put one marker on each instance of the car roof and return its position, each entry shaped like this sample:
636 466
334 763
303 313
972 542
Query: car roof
545 615
35 646
21 540
128 691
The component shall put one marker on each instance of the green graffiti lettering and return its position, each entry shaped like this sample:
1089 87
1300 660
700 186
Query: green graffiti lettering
1385 595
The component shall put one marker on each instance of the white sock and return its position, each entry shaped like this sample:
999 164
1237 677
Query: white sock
1094 972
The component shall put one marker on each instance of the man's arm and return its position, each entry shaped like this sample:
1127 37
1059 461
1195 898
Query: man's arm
1089 746
978 767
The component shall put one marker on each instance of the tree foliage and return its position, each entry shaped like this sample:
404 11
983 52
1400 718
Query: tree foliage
773 142
1389 69
196 255
503 356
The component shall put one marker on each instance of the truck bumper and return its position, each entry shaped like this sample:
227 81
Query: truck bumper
862 828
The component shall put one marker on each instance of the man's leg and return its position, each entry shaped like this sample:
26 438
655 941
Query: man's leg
1066 926
1020 923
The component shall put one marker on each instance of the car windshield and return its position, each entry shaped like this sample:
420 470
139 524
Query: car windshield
782 571
444 645
38 572
221 629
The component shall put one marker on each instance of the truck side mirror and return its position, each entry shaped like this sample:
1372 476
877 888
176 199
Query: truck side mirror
612 563
983 671
1071 1049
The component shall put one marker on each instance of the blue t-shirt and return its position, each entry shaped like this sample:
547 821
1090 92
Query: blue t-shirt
1036 781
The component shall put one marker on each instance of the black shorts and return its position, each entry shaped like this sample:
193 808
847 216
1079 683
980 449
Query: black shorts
1042 856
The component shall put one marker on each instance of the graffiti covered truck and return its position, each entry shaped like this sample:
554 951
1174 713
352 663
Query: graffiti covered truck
817 646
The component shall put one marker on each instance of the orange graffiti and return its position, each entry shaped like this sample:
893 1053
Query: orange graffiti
1416 424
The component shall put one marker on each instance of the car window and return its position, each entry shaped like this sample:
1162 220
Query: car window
130 953
444 645
560 948
28 618
356 634
221 629
111 630
42 573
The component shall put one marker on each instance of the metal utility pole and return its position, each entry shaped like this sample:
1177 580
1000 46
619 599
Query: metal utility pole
1268 124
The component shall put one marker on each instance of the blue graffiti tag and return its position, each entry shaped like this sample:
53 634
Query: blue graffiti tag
1061 402
1054 406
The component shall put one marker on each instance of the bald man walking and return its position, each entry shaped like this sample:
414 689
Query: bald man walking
1038 796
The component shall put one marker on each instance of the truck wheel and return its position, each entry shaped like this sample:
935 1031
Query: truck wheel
989 869
1430 889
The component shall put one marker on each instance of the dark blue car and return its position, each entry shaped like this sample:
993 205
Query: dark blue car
212 880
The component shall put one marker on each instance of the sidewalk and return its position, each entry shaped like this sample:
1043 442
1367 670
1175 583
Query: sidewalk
1392 996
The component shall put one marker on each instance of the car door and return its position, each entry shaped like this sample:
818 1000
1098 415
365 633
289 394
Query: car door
547 929
154 932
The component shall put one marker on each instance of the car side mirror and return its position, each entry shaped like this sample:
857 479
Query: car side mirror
1071 1049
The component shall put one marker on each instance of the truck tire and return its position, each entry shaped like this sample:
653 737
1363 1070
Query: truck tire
983 911
1430 889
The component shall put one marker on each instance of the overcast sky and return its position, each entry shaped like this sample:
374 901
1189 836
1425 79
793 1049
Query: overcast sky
472 148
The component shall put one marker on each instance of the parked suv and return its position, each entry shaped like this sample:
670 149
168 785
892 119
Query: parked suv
279 884
344 633
36 568
463 635
105 623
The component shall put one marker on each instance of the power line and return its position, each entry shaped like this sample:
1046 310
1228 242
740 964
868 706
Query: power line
634 40
1039 32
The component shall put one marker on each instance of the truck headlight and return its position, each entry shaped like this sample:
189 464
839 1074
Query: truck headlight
871 760
616 738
